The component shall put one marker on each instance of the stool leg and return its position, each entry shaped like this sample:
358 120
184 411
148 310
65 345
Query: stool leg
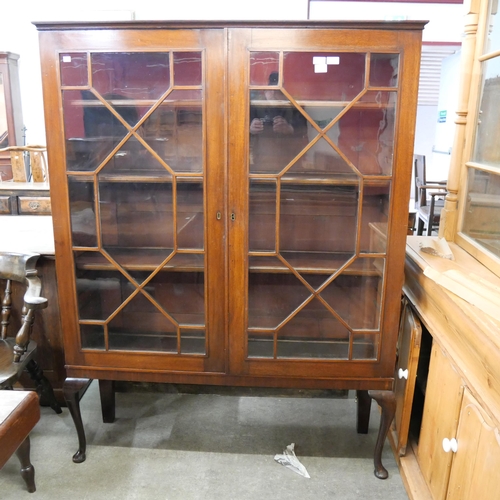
27 469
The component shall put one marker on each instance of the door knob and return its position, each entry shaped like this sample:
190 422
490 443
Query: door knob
450 445
403 373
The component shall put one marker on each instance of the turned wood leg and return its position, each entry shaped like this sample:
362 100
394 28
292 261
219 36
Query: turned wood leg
387 403
44 387
74 389
107 392
27 469
363 411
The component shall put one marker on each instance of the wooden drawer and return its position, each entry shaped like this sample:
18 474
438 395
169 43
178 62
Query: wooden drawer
34 205
5 205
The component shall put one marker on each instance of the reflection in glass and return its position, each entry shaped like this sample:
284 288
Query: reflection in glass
140 326
324 76
193 341
92 336
356 293
366 134
487 144
260 345
134 161
181 295
82 208
100 292
134 75
384 70
175 130
262 65
482 212
313 333
91 130
374 217
272 297
278 131
262 216
131 215
321 161
74 71
187 68
365 346
318 218
190 225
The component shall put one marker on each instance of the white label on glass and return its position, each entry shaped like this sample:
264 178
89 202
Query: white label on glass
320 68
333 60
66 59
319 60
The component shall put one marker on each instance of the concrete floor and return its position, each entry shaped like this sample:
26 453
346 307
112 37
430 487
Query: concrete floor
177 446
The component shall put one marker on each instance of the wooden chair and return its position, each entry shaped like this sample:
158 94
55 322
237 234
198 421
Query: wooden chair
35 170
18 353
19 413
429 197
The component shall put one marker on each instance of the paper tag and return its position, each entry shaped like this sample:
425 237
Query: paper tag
66 59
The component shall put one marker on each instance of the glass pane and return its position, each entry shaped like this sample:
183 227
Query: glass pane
482 212
356 294
187 68
374 217
278 131
193 341
92 336
82 207
365 346
493 41
181 295
175 130
91 130
262 66
99 293
312 216
135 75
313 333
135 162
260 345
384 70
366 133
322 161
190 224
487 146
74 70
140 326
272 297
324 76
262 218
132 214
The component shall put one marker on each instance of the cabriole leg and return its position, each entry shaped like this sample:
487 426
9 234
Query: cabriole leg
387 402
74 389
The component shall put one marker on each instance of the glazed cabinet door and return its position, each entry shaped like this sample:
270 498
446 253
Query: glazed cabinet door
318 186
137 174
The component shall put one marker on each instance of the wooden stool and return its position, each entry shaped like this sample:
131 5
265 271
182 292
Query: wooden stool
19 413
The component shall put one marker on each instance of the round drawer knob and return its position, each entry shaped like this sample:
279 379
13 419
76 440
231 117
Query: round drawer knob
34 205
